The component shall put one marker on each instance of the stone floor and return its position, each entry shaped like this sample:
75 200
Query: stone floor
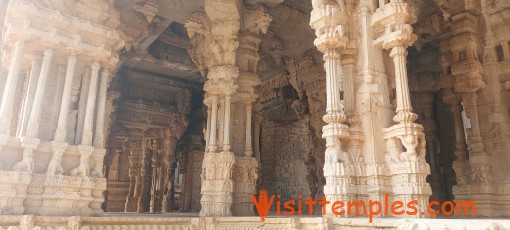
184 221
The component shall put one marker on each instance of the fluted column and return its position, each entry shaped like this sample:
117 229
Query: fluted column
33 122
101 109
213 146
91 102
248 150
60 134
6 109
29 97
226 125
404 110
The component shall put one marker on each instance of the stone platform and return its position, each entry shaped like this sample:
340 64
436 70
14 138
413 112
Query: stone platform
190 221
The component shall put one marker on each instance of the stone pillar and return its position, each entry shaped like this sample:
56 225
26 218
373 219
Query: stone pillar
337 171
168 159
82 106
60 133
408 168
213 146
226 124
6 108
30 141
256 131
91 103
59 145
248 150
29 97
221 124
404 110
33 122
99 135
479 161
133 147
144 177
208 128
460 164
113 173
156 178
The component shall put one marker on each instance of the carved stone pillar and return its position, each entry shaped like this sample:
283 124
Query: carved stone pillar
113 172
221 124
212 144
256 130
134 148
467 71
100 131
33 122
144 186
35 71
461 163
226 124
408 168
82 106
6 109
86 138
59 144
60 133
248 151
327 17
169 160
30 141
156 178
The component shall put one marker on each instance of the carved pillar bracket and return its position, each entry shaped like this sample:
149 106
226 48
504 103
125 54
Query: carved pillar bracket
408 167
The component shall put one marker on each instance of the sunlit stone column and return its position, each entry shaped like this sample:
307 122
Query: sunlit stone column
404 110
91 103
33 122
60 133
408 167
213 146
60 145
6 109
29 97
248 150
82 106
30 141
226 124
328 20
101 109
86 149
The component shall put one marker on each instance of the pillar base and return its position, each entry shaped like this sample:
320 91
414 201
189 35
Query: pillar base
217 184
245 174
38 192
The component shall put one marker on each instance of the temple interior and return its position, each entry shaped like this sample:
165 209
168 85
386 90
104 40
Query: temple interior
111 107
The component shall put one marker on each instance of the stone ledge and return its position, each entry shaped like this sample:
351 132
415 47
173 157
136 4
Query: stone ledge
181 222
